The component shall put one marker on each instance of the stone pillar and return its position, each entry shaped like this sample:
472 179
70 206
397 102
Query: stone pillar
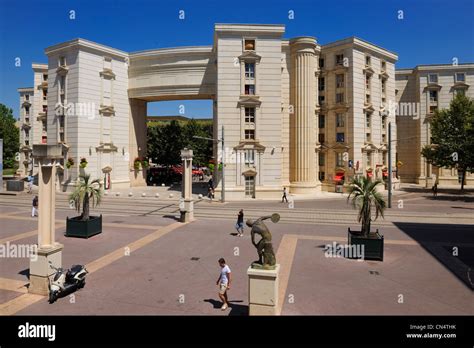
48 249
186 204
302 121
263 291
137 140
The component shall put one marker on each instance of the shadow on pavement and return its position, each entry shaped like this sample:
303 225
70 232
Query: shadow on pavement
235 309
451 244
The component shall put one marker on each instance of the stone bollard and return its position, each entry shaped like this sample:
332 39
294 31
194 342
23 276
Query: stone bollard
143 194
157 195
130 194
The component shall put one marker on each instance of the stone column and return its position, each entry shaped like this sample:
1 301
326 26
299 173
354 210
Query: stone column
48 249
302 125
186 204
263 289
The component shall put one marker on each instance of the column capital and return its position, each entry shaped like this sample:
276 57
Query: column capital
303 44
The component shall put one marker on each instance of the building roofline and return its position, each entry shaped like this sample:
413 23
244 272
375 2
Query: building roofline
250 27
172 50
435 67
39 66
85 43
364 43
25 89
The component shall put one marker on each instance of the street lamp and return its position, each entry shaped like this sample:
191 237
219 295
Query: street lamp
217 140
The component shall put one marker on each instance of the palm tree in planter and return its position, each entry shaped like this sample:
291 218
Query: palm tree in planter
87 192
364 197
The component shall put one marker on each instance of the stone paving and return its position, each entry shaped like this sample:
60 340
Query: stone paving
148 264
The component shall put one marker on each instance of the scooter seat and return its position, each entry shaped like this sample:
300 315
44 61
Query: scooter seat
74 270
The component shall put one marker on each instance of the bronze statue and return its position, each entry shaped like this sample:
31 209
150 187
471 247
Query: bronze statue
266 255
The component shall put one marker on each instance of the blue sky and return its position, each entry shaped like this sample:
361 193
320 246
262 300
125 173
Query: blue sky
431 31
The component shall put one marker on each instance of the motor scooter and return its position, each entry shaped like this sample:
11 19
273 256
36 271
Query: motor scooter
66 280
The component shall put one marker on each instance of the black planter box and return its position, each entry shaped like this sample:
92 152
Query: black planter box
75 227
373 244
15 185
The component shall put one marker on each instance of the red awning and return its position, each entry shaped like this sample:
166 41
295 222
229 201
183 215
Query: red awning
369 174
338 178
385 173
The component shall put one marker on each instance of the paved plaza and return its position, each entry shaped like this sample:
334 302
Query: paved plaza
146 262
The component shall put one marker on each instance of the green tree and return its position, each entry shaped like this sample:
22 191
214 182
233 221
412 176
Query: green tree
364 195
202 148
10 135
452 137
86 192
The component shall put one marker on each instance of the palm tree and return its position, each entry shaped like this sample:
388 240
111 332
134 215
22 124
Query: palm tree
364 194
85 192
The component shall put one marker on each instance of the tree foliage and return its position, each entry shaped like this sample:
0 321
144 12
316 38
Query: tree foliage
452 137
10 135
166 140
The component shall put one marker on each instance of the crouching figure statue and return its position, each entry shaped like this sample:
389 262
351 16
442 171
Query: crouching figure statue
266 255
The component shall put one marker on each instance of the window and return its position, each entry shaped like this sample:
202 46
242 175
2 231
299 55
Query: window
321 138
384 138
339 159
368 162
249 157
45 77
459 91
432 78
340 120
250 70
27 111
250 134
368 137
321 83
321 99
433 96
340 137
339 97
249 115
340 81
249 45
250 186
433 109
367 82
322 121
62 61
383 65
45 94
250 89
367 60
384 86
321 176
384 158
367 98
321 63
368 120
321 159
45 108
27 97
460 77
339 59
384 122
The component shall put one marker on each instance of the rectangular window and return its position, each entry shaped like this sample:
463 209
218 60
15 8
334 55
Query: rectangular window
368 120
322 121
367 82
340 120
383 65
460 91
368 162
368 137
339 59
340 137
62 61
250 89
367 98
433 96
321 84
249 44
321 159
384 86
45 77
249 157
249 115
250 134
321 100
321 63
249 70
367 60
384 122
384 158
27 97
321 138
339 97
460 77
433 109
340 81
384 138
432 78
339 159
321 176
27 111
45 94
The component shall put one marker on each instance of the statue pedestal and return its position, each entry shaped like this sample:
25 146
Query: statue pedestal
40 270
263 291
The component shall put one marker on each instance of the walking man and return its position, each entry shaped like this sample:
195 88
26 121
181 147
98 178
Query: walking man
30 184
239 226
224 280
34 209
284 196
435 189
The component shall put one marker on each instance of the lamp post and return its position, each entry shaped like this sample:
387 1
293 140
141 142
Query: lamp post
390 164
221 140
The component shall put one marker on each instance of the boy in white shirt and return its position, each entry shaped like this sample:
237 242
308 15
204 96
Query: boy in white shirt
223 282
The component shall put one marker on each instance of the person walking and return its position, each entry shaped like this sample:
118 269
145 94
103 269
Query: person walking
239 226
435 189
30 184
283 198
224 280
34 209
